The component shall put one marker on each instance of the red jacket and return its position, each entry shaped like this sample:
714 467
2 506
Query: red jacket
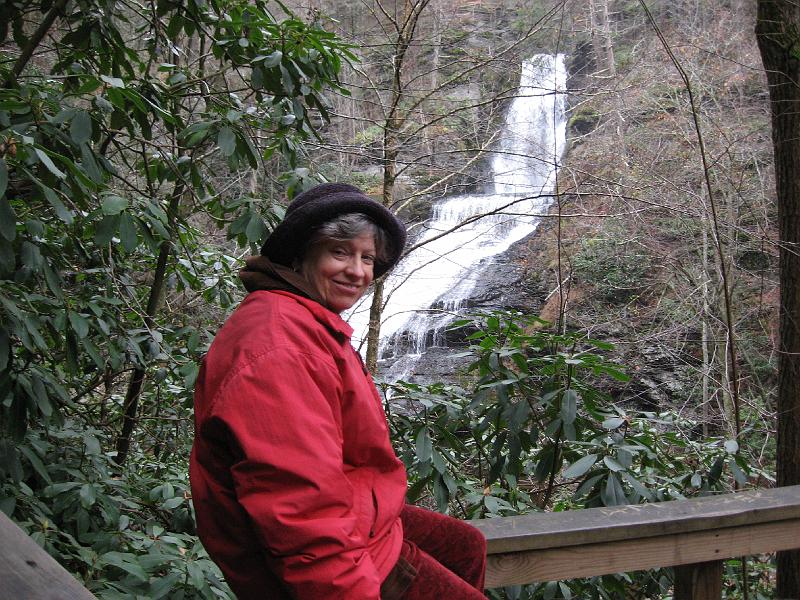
293 476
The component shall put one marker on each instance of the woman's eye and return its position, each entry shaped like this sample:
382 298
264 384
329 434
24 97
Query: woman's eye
339 252
368 259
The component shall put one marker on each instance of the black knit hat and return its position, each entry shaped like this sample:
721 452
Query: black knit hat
319 205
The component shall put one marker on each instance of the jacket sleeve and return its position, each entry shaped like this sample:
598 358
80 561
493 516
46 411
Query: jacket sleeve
283 413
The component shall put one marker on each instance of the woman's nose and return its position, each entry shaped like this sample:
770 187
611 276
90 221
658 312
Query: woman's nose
355 267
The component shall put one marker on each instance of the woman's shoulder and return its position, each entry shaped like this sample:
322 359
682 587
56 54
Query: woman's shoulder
276 323
269 335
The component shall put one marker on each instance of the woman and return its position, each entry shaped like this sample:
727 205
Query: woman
296 488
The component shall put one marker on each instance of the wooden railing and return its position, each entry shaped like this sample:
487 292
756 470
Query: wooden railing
694 536
27 572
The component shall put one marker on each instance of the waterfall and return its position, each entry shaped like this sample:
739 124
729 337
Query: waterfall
425 291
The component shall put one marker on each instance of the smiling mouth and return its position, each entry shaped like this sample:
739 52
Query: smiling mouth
348 286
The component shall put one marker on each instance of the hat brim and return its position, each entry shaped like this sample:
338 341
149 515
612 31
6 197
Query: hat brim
287 241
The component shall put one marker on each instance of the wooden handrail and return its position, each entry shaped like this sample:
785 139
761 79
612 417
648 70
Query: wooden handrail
694 536
28 572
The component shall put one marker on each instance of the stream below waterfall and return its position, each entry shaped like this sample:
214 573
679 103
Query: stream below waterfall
431 284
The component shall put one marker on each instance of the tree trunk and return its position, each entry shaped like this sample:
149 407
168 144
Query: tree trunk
706 335
130 407
374 330
601 37
395 118
777 29
36 38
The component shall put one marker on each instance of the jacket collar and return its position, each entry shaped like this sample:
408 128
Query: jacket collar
329 319
260 273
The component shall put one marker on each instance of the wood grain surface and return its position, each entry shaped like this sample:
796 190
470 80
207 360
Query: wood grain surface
27 572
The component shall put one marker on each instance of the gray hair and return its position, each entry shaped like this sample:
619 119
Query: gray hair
347 227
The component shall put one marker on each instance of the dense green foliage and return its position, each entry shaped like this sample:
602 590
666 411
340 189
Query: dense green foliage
129 132
533 431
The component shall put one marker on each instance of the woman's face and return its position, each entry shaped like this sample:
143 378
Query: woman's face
341 271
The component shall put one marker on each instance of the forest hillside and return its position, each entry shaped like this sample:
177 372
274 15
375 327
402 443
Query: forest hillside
633 237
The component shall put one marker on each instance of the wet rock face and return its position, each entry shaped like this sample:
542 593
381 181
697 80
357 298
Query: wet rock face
504 284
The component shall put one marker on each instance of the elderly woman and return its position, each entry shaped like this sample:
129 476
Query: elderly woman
296 488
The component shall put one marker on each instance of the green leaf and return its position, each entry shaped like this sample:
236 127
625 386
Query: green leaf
440 492
36 462
48 162
273 59
491 503
565 591
612 493
5 349
255 228
738 474
113 205
439 463
7 257
106 229
190 375
41 397
226 140
30 255
257 78
53 280
71 352
731 446
126 562
580 467
62 212
59 488
550 589
90 164
613 464
92 445
638 486
93 353
128 233
8 220
569 406
88 495
545 464
287 81
7 505
80 129
716 470
587 486
173 503
625 457
424 445
80 325
161 587
613 423
3 177
114 82
197 574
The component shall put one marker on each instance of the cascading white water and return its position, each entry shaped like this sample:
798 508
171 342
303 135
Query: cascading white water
425 291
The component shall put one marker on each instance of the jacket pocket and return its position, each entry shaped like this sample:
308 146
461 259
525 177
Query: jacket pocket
373 526
364 504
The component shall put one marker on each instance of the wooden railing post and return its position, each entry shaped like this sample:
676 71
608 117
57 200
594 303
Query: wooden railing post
700 581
